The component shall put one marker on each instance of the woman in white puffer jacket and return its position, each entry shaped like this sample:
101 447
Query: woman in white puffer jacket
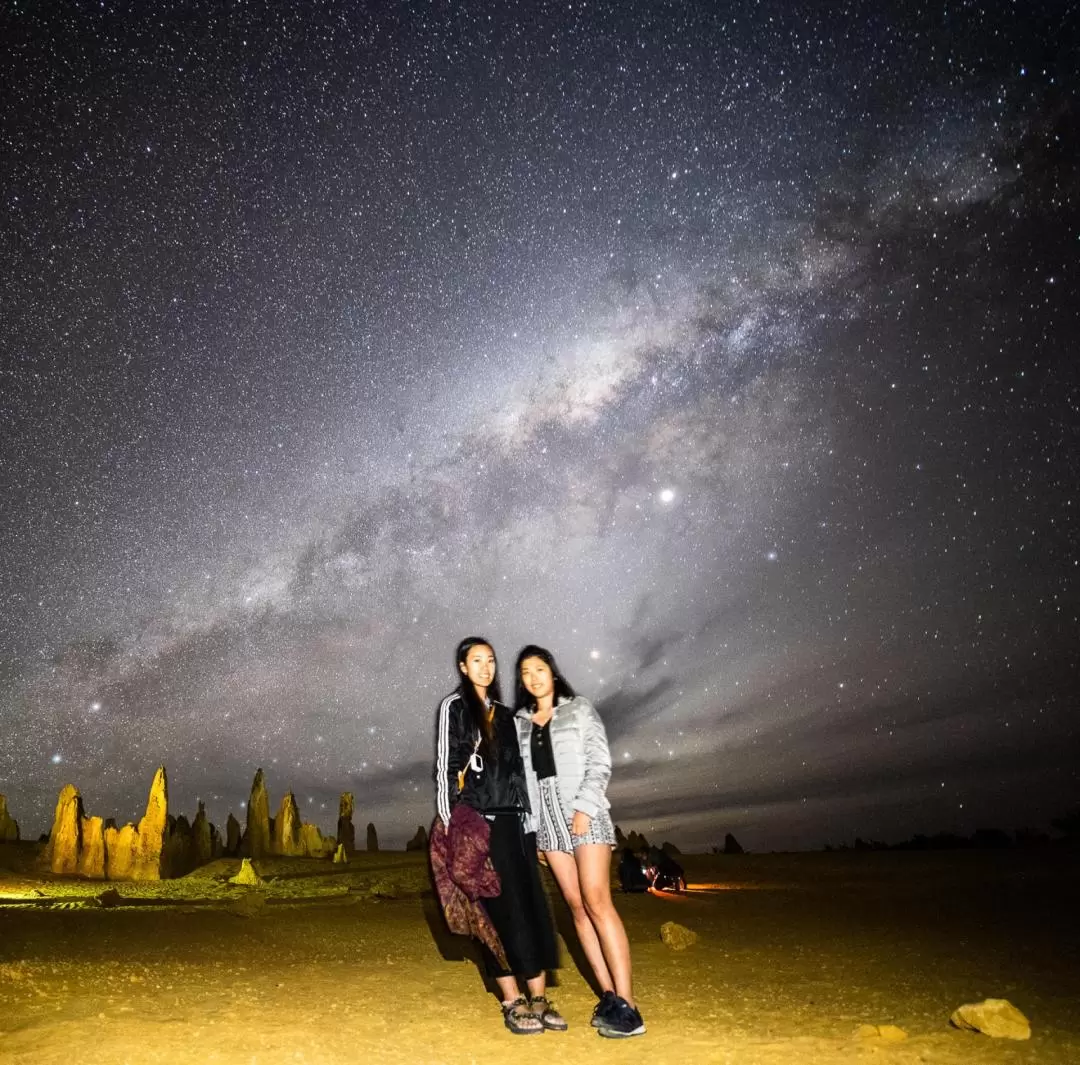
567 768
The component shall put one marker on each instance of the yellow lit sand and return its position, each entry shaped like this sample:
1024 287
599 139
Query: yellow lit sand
322 966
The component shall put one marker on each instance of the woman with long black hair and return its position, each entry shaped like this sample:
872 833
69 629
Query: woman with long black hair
478 763
568 766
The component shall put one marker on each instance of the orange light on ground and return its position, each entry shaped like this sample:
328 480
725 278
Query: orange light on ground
730 886
668 896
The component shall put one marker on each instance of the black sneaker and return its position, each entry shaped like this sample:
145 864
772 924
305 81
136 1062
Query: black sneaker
622 1021
603 1008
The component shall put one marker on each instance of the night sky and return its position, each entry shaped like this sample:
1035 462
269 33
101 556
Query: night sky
729 350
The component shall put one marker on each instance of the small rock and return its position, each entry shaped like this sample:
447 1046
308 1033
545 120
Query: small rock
341 855
110 898
384 889
996 1017
247 875
677 936
885 1033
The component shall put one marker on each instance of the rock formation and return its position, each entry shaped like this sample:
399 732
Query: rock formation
732 845
66 835
341 856
248 875
312 844
202 837
120 851
232 836
670 849
161 846
346 831
150 854
92 848
256 842
372 838
9 827
287 828
179 857
419 842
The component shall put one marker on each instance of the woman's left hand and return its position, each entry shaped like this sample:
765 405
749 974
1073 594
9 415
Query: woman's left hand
580 823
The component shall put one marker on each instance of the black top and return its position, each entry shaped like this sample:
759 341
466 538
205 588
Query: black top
543 757
500 785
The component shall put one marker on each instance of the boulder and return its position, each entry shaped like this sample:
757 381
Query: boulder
92 848
670 849
996 1017
65 838
248 875
150 853
287 828
372 838
202 843
732 845
9 827
120 846
346 831
256 843
677 936
341 855
419 842
232 836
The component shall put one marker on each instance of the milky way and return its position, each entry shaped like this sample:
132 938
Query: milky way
727 350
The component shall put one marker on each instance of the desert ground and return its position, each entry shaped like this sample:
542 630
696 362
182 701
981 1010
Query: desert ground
329 964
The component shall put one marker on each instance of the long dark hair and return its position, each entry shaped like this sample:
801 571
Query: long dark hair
522 699
478 712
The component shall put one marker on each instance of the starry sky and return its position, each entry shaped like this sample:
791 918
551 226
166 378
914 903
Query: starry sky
729 350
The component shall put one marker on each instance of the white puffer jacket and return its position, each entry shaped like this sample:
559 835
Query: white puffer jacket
582 757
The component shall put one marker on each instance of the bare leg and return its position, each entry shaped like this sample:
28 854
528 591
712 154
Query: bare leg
594 875
509 992
508 988
565 870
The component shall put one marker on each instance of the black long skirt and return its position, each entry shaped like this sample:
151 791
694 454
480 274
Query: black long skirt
520 912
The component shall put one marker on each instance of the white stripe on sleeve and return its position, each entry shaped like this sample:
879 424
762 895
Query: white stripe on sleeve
442 761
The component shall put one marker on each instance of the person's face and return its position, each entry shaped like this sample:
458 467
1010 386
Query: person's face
479 665
537 677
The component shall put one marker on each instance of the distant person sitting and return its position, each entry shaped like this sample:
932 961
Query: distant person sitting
667 874
632 874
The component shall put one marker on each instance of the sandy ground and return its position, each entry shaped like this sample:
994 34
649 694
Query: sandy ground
323 966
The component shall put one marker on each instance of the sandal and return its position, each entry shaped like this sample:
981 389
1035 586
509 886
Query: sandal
549 1016
519 1017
